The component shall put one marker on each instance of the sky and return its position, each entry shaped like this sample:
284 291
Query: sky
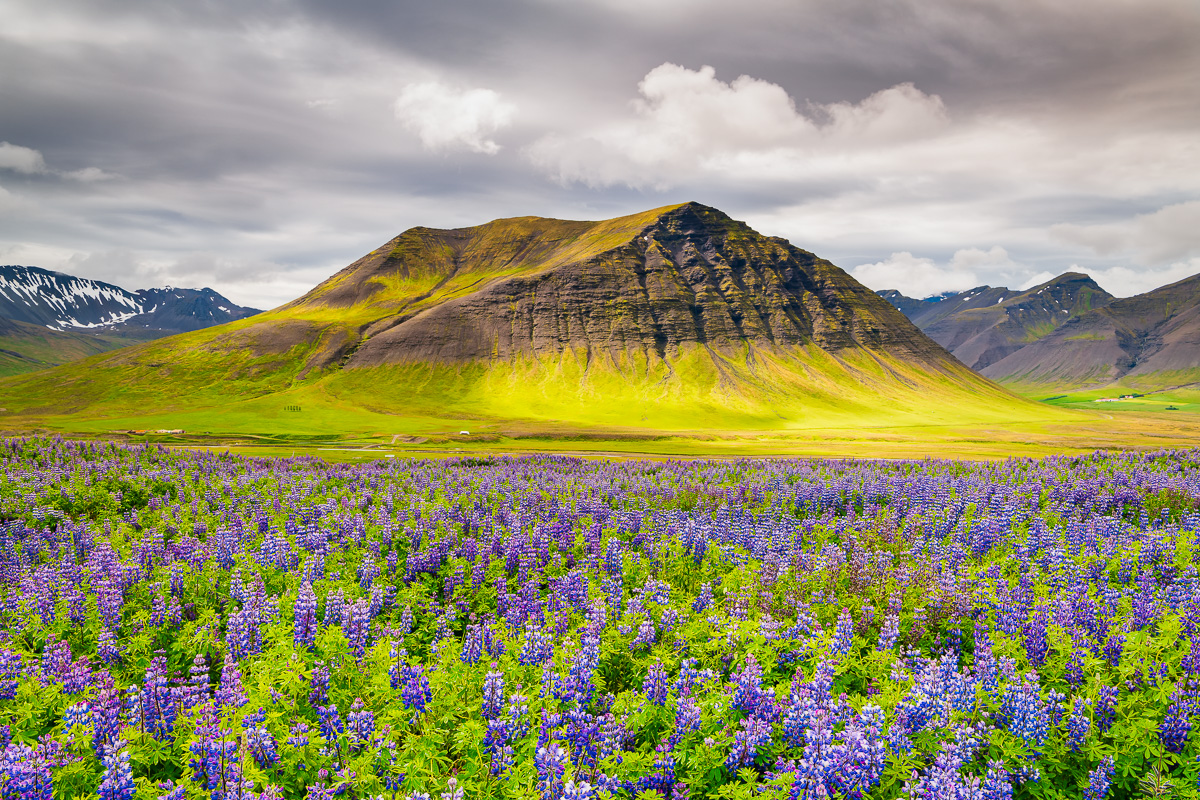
258 146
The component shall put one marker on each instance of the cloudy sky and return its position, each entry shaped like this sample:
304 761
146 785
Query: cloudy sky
257 146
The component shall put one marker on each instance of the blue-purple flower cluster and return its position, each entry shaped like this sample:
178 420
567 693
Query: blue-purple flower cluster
191 625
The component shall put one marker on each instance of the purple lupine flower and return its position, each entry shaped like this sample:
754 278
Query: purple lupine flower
1114 647
453 790
116 783
335 608
318 693
1022 710
997 784
1074 670
319 791
10 671
357 627
755 734
106 647
1034 631
305 617
415 692
230 693
861 756
1078 724
159 702
298 735
215 763
537 647
890 632
472 649
1099 780
361 722
172 792
1175 727
551 765
493 694
262 746
24 774
1106 707
106 712
195 691
329 722
495 742
645 636
655 686
578 791
749 696
687 720
843 637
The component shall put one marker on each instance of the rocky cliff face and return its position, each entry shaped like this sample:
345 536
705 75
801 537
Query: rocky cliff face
690 276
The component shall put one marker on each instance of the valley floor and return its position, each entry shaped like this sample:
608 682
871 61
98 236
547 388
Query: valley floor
1109 426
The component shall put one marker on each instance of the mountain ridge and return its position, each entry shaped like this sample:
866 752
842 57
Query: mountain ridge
60 302
50 317
677 316
1150 340
988 323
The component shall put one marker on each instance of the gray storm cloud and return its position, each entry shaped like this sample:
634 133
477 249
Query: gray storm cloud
259 146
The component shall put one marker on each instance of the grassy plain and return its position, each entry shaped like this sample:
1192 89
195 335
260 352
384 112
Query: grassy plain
351 435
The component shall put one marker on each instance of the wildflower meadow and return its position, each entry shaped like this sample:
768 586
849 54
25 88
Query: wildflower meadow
194 625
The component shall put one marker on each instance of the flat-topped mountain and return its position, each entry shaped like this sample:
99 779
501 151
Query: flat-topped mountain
986 324
676 317
1148 341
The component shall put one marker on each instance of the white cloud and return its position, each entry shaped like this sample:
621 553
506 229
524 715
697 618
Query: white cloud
28 161
445 117
687 120
1126 281
25 160
89 175
1172 232
913 276
918 276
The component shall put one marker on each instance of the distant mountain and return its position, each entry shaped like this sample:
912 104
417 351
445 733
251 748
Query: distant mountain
986 324
1148 341
64 302
679 317
50 318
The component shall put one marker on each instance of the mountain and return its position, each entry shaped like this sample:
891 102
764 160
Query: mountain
49 318
986 324
65 302
678 317
1149 341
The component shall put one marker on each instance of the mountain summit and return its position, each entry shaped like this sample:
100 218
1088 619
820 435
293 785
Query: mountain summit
675 317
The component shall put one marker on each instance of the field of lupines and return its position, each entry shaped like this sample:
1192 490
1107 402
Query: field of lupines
181 625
